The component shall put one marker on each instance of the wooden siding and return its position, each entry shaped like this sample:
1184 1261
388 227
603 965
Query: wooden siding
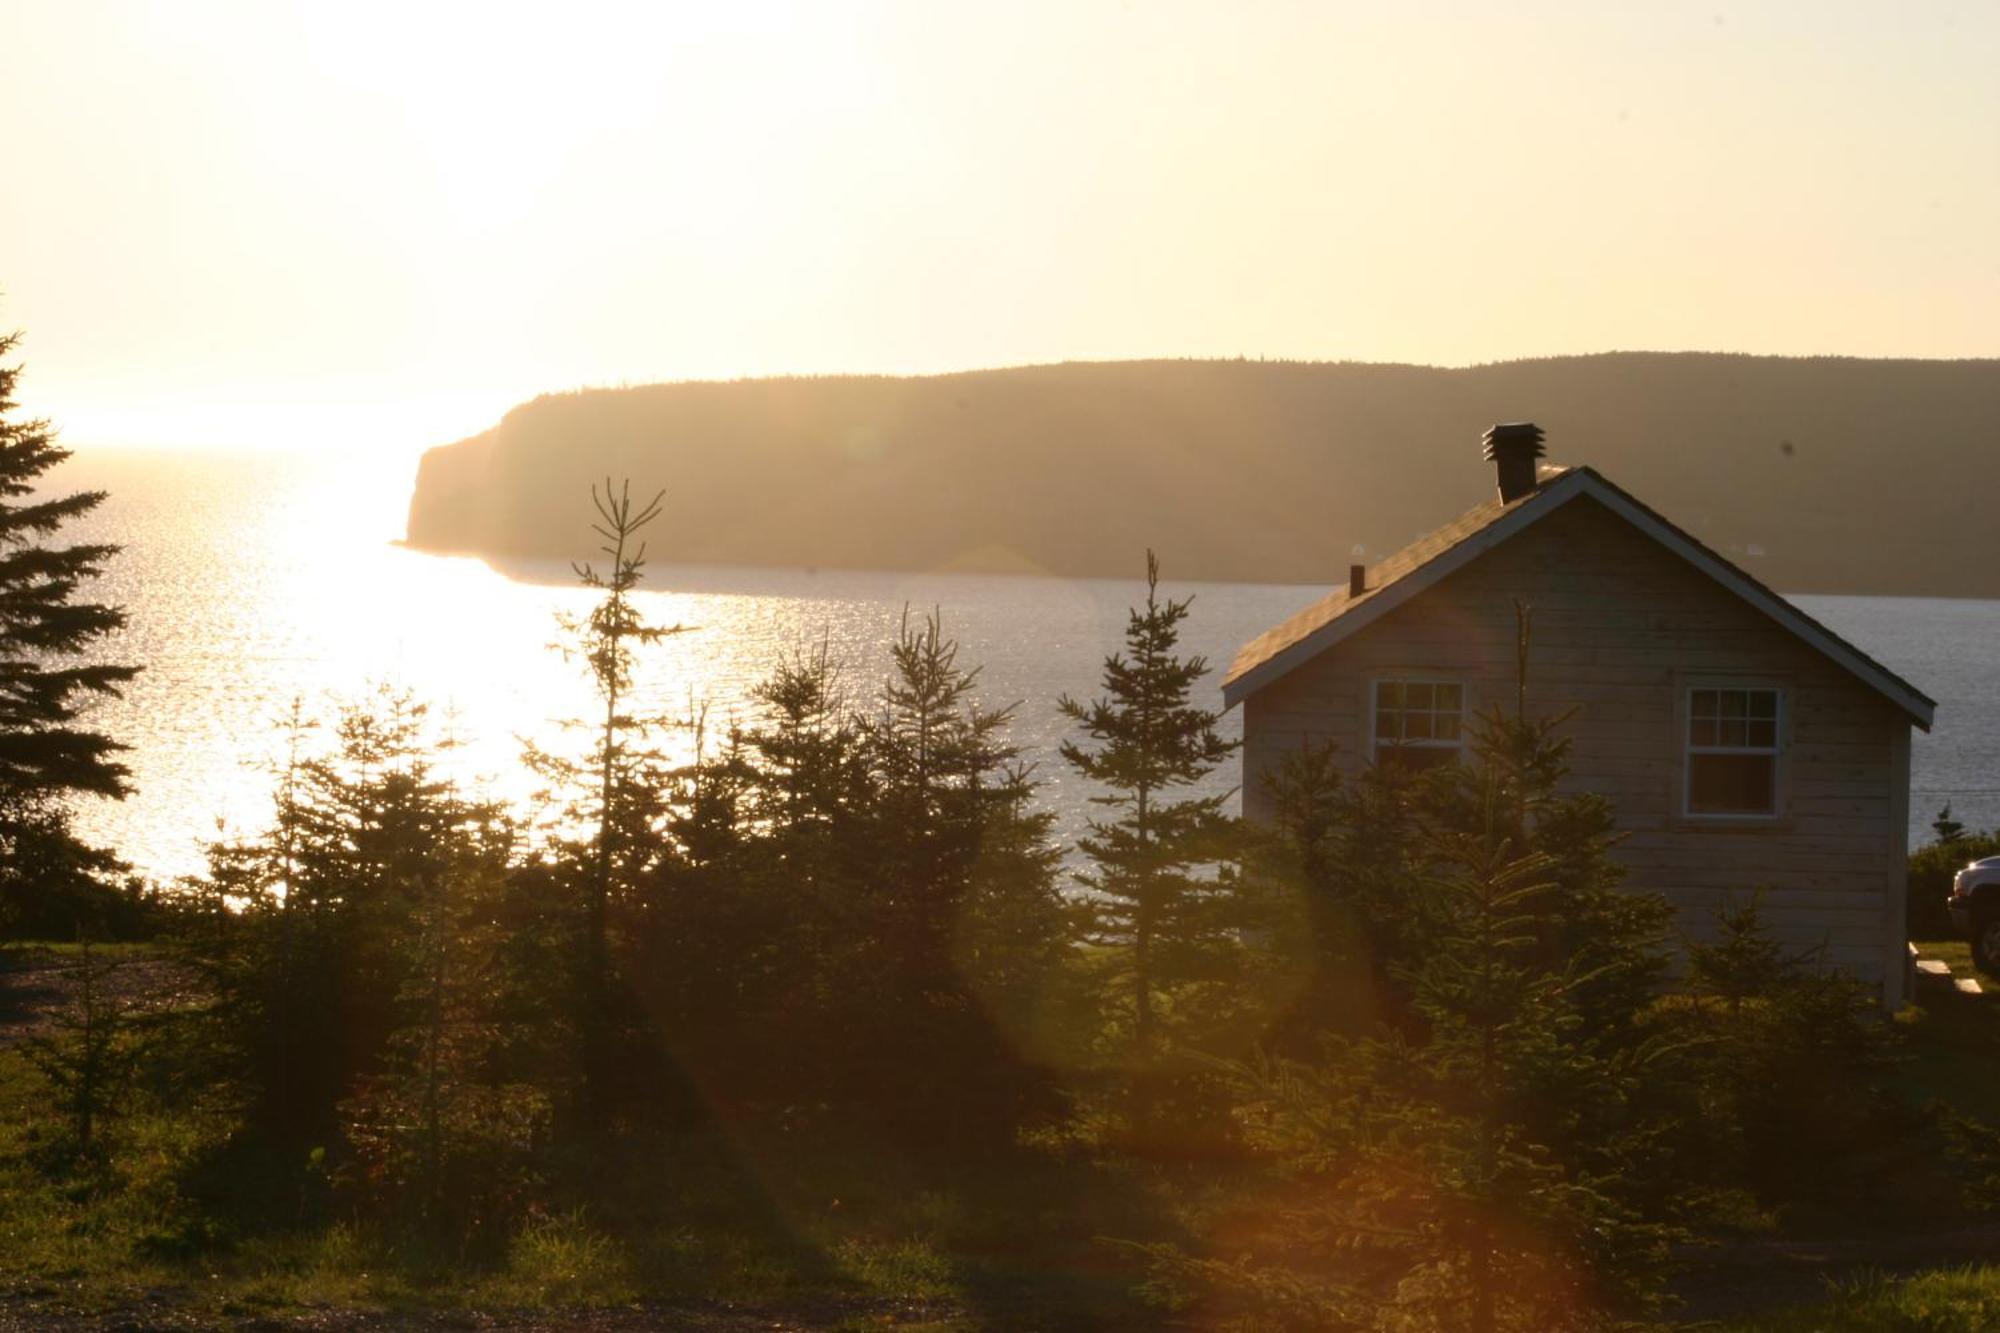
1621 629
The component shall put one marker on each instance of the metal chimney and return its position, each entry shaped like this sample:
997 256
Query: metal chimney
1512 447
1357 580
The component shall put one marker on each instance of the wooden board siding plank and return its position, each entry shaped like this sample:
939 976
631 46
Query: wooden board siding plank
1620 626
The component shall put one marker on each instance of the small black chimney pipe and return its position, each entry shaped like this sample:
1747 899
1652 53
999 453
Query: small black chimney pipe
1357 580
1512 447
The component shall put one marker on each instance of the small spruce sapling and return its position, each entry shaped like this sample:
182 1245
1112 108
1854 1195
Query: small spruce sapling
88 1059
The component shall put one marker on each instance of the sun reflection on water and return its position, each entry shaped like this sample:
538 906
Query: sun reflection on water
254 580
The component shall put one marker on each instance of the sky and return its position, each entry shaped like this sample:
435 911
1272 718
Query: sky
355 224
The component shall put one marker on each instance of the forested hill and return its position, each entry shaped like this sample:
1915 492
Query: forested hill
1818 475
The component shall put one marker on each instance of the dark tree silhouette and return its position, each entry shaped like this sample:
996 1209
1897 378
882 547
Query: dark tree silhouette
625 776
47 682
1160 908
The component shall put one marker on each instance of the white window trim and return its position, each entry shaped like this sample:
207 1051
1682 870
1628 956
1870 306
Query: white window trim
1781 732
1376 744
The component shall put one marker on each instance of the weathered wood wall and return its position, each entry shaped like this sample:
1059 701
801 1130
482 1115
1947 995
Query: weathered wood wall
1621 627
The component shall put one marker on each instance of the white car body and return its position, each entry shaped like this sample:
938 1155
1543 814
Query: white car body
1981 880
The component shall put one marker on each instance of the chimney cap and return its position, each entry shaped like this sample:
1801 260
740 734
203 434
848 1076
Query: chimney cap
1514 437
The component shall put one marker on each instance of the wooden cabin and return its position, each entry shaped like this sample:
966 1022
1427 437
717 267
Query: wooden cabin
1745 745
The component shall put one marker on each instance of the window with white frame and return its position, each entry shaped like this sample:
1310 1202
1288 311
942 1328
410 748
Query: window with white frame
1418 723
1733 742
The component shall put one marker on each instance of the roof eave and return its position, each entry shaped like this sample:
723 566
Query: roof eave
1384 600
1919 707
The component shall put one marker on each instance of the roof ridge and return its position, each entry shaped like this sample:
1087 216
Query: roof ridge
1389 571
1402 575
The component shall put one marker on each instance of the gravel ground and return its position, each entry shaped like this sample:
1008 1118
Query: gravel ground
162 1314
36 985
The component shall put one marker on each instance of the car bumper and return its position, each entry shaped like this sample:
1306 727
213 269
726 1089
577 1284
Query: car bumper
1961 916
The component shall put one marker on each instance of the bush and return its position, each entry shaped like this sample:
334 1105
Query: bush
1789 1054
1931 869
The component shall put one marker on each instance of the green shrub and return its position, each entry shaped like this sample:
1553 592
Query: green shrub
1931 869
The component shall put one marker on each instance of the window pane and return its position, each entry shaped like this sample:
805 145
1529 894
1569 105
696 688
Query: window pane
1732 703
1417 695
1415 758
1732 784
1448 698
1702 731
1762 733
1703 703
1385 724
1447 727
1417 726
1763 703
1733 733
1389 694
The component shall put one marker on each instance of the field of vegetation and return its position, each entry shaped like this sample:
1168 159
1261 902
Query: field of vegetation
173 1221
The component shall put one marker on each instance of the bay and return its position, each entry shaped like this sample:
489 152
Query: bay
257 580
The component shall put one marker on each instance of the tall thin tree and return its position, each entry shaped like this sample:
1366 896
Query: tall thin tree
608 640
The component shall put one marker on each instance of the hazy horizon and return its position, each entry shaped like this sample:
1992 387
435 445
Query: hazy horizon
305 224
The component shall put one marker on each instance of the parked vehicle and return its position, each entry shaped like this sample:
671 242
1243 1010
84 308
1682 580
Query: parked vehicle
1975 911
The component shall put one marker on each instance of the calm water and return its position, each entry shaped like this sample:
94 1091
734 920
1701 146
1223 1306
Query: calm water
255 580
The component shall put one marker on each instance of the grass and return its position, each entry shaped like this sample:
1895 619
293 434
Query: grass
104 951
1952 1043
1951 1300
1955 952
860 1237
163 1214
1951 1056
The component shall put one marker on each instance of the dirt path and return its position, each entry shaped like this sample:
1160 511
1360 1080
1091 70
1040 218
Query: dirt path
37 984
1746 1277
163 1315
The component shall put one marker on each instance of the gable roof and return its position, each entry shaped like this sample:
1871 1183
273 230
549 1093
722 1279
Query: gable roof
1430 559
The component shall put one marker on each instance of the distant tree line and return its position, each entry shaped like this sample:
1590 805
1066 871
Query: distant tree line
1047 468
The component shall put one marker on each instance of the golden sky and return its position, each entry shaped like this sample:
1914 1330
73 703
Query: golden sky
300 224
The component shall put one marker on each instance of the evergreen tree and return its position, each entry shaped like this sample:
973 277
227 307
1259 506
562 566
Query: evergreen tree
48 753
809 758
620 788
1314 847
88 1057
856 910
445 1125
608 639
952 804
710 936
1790 1052
964 905
316 937
1164 903
1498 1154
